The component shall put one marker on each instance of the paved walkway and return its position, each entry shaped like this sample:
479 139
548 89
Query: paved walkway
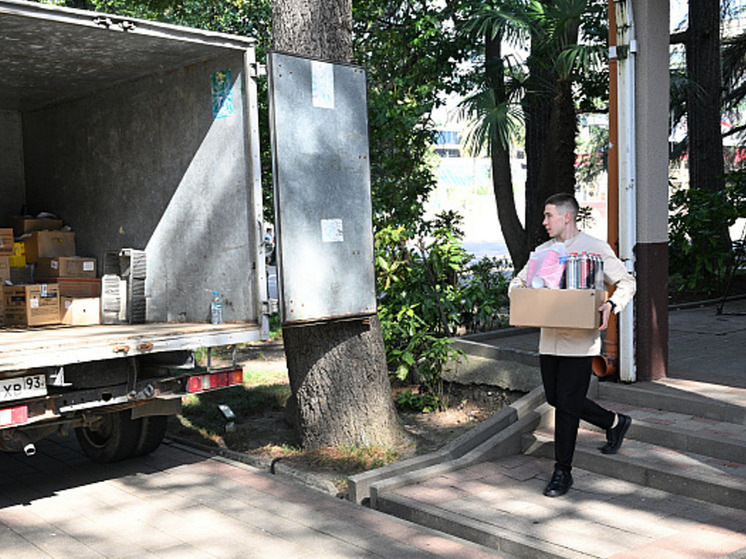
600 517
180 504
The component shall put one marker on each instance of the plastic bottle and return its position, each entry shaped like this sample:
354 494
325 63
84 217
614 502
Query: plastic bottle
216 309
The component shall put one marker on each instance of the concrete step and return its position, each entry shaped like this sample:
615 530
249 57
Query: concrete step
709 401
677 488
679 472
499 504
683 432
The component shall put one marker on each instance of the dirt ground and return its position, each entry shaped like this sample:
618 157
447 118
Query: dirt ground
268 436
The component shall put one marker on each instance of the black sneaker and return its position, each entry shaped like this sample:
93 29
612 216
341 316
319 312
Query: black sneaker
615 436
560 484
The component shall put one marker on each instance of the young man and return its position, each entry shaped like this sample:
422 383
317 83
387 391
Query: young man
566 354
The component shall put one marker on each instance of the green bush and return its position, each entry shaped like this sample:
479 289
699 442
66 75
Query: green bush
428 291
699 257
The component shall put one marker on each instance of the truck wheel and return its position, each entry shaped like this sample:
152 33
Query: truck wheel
114 439
151 434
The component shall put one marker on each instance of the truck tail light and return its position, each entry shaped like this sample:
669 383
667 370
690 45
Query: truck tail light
211 381
13 416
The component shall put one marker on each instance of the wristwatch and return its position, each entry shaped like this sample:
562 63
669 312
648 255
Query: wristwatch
612 303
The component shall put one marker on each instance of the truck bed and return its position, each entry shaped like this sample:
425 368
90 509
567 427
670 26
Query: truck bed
26 348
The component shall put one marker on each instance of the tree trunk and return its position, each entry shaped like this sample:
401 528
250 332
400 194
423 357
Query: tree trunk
551 125
704 98
313 28
538 109
502 179
557 165
706 166
338 375
341 388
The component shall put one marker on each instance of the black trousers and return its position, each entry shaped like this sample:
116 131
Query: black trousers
566 381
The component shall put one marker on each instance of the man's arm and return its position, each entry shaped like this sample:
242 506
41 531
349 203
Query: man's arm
519 280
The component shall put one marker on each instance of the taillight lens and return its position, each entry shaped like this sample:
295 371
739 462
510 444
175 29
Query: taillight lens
211 381
13 416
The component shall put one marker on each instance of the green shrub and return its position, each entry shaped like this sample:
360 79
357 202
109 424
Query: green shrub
428 290
699 257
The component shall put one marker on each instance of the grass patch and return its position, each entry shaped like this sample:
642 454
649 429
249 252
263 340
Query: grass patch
352 459
256 377
202 409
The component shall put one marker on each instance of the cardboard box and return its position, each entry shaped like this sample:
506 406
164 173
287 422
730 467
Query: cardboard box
4 269
49 244
78 287
22 225
556 308
66 267
80 312
6 242
31 305
18 258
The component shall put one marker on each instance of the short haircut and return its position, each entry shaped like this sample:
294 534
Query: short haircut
564 203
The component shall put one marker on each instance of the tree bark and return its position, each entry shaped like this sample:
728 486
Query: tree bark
704 99
340 384
538 109
706 165
502 179
338 375
313 28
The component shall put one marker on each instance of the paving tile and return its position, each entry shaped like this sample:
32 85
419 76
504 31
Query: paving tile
699 543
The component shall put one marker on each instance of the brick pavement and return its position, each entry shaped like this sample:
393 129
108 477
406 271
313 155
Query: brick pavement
177 503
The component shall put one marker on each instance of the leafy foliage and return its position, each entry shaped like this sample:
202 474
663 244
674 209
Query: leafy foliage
427 290
697 260
410 51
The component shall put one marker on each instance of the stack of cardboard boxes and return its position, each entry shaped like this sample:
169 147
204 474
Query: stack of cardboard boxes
50 284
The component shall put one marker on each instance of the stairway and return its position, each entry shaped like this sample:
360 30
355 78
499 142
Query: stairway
677 488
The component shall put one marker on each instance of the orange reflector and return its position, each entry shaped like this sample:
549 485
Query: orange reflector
13 416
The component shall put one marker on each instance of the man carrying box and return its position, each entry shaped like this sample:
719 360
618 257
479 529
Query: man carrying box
566 354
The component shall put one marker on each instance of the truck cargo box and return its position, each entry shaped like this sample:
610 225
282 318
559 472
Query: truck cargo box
138 134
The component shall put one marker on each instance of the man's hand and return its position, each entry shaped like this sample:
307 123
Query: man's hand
605 311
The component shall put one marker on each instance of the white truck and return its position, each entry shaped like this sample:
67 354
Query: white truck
138 135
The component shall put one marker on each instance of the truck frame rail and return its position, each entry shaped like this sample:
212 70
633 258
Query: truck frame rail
28 348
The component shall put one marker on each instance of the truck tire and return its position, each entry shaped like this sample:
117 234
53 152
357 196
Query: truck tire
114 440
151 434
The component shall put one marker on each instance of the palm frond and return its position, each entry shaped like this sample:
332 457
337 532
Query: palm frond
489 121
581 59
506 22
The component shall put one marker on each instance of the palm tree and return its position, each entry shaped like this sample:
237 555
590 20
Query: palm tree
539 96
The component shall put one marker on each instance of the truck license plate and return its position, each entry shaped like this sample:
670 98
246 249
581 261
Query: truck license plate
23 387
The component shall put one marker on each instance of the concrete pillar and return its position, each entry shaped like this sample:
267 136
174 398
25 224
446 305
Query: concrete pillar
651 252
